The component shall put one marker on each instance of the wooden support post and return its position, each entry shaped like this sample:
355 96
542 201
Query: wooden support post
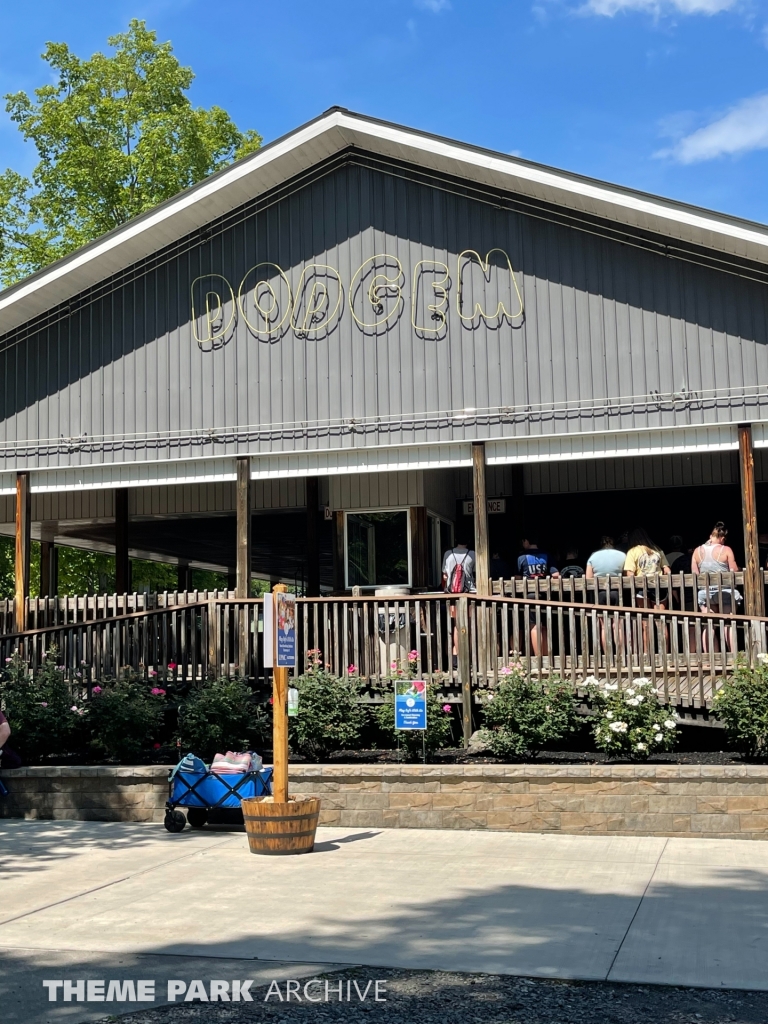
465 677
481 518
419 547
122 559
279 720
754 596
23 542
313 546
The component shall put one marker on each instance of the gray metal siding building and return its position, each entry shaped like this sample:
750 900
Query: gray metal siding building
362 298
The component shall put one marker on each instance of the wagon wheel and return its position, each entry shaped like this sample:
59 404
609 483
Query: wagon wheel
197 816
174 821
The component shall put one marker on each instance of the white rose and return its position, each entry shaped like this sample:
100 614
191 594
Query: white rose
762 658
670 724
658 737
633 701
590 681
639 698
642 681
609 714
611 686
640 746
618 726
629 692
656 726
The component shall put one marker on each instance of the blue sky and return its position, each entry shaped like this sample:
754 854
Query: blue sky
670 96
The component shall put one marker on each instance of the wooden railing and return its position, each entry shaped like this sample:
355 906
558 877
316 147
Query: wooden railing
465 644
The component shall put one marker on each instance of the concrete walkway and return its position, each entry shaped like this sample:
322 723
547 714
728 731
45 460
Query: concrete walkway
125 898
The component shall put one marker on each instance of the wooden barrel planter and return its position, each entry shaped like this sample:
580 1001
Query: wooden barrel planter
279 829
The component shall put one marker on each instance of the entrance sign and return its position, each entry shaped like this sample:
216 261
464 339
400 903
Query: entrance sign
285 616
410 704
495 506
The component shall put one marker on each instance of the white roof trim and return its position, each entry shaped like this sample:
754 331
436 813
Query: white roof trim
329 134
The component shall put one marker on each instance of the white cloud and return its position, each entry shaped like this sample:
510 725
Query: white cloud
742 129
434 5
657 7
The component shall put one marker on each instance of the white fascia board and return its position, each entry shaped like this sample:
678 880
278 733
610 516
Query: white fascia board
613 199
613 445
360 460
135 474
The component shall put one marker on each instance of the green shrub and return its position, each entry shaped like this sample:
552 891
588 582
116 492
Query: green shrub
741 704
222 715
330 716
45 719
630 722
522 716
125 716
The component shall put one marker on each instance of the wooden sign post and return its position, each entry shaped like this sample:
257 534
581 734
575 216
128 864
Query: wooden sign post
279 717
280 824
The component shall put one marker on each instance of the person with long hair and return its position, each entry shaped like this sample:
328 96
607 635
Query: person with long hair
646 559
715 556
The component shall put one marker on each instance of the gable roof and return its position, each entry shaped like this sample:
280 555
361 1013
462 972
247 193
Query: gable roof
338 129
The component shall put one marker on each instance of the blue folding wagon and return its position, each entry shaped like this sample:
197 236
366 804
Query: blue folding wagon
200 792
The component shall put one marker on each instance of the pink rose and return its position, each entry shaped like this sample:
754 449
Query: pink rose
447 708
43 704
418 685
413 656
157 692
171 665
351 669
96 689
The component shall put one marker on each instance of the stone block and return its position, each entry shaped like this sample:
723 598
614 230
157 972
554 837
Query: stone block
675 804
715 823
397 800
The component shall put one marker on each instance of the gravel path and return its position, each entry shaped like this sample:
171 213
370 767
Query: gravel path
427 997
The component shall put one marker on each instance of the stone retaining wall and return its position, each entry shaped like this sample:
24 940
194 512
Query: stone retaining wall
668 800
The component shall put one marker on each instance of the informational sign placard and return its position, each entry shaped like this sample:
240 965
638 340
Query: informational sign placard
285 615
410 704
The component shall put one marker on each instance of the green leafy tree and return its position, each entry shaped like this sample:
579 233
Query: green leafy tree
115 135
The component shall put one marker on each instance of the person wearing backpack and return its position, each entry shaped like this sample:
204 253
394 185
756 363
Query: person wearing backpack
458 578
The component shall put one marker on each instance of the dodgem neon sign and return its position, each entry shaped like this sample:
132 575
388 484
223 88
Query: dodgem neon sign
485 288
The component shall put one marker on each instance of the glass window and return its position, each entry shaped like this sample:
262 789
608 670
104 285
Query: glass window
377 549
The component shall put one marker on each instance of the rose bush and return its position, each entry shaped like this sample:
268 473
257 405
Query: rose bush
522 716
629 721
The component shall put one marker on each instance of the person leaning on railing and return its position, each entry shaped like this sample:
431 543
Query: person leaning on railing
715 556
602 565
645 558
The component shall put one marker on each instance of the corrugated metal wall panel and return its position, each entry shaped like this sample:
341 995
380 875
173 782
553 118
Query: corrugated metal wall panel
640 473
377 490
123 379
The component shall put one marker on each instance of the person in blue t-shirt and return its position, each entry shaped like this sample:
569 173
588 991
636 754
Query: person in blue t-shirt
603 564
534 564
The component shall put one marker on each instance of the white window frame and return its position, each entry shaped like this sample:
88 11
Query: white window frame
364 511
